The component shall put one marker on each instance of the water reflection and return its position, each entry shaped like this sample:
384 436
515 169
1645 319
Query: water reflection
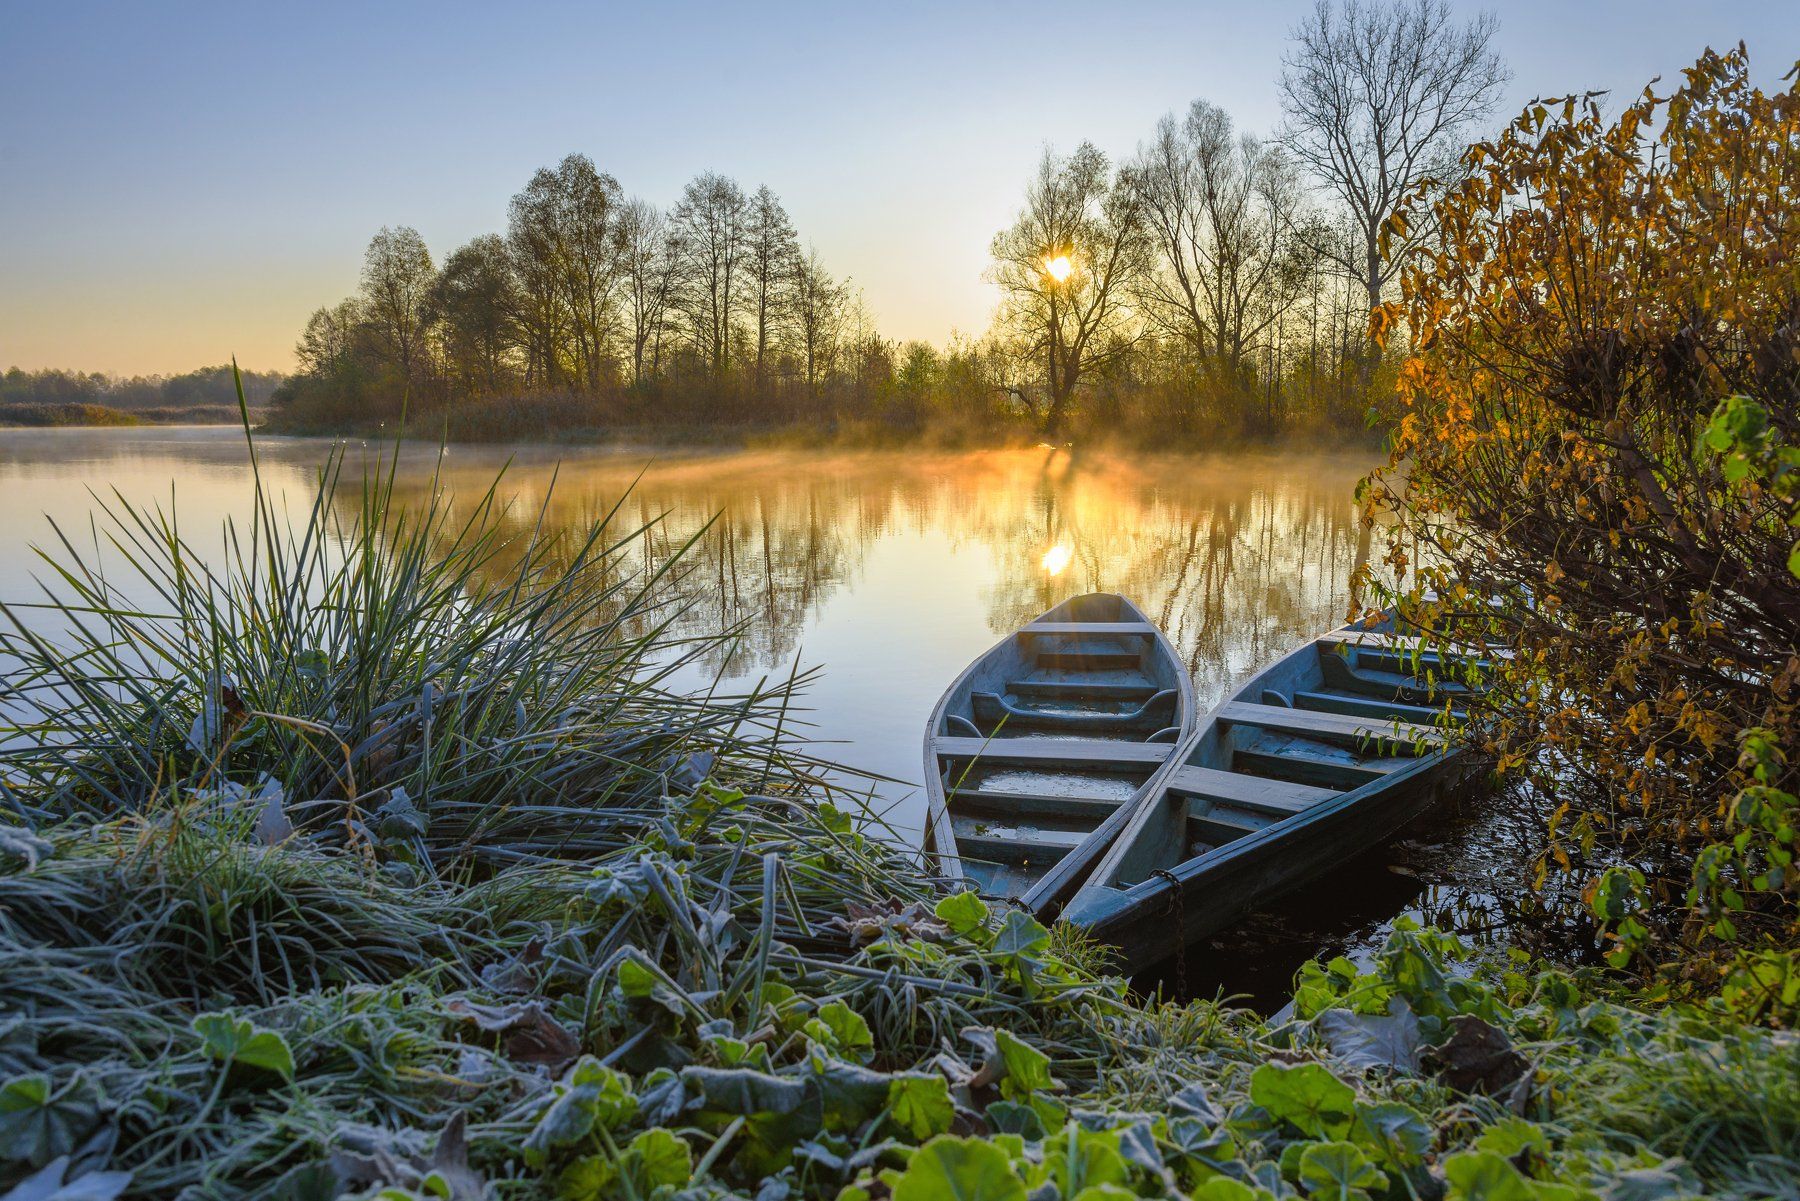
890 571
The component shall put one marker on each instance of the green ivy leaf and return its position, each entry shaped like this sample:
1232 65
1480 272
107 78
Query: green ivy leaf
1397 1135
1021 936
920 1104
840 1029
959 1169
590 1095
1339 1172
1027 1068
1224 1188
963 912
39 1123
1485 1176
657 1159
230 1040
1306 1095
1083 1159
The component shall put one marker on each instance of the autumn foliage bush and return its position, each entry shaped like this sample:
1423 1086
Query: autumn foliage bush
1611 305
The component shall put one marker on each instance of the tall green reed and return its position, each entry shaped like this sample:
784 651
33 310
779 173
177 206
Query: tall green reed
453 679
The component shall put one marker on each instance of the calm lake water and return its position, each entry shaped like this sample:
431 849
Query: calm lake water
889 572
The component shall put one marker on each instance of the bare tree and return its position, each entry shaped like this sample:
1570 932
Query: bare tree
329 337
1226 215
818 302
568 220
543 311
1065 266
475 303
708 227
649 267
397 277
1378 96
770 253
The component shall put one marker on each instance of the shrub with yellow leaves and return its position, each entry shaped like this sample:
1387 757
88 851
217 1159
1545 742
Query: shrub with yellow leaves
1601 372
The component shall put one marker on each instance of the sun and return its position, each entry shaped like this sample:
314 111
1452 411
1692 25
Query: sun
1058 268
1057 558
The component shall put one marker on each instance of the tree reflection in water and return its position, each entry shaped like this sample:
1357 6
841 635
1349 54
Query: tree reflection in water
892 570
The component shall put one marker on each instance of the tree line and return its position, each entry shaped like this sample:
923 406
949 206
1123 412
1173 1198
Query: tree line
208 387
1213 281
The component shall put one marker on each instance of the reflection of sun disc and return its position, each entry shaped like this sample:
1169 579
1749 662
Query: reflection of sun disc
1057 558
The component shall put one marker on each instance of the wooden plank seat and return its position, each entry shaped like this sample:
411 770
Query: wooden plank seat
1412 690
1000 843
1368 706
1285 764
1080 689
1084 752
1089 656
1096 629
1331 727
1278 797
1033 804
993 707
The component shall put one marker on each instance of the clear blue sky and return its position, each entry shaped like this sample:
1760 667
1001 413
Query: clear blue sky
182 182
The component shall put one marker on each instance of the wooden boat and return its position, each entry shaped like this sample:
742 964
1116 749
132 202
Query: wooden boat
1324 754
1034 755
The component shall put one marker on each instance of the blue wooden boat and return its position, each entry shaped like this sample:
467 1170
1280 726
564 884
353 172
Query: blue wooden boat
1324 754
1037 751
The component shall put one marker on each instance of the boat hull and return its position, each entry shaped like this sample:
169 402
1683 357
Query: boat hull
1150 922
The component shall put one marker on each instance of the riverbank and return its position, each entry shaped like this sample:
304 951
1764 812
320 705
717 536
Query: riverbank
42 416
535 427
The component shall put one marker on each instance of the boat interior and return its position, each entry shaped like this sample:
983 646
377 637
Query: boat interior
1354 708
1052 731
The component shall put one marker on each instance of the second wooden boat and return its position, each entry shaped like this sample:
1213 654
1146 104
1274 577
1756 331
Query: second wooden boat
1035 754
1324 754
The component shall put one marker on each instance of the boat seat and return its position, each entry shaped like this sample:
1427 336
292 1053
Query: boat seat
1085 752
1333 727
1089 656
1314 770
1412 690
1033 804
1277 797
1099 629
1081 689
991 706
1368 706
1219 826
1375 643
1000 843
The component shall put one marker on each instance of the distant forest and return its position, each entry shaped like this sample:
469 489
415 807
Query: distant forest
208 391
1215 283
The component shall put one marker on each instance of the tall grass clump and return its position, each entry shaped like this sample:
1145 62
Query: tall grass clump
456 681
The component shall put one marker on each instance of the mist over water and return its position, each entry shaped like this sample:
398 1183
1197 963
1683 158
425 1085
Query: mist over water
887 572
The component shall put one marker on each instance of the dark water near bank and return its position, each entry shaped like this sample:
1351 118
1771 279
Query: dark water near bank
889 572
